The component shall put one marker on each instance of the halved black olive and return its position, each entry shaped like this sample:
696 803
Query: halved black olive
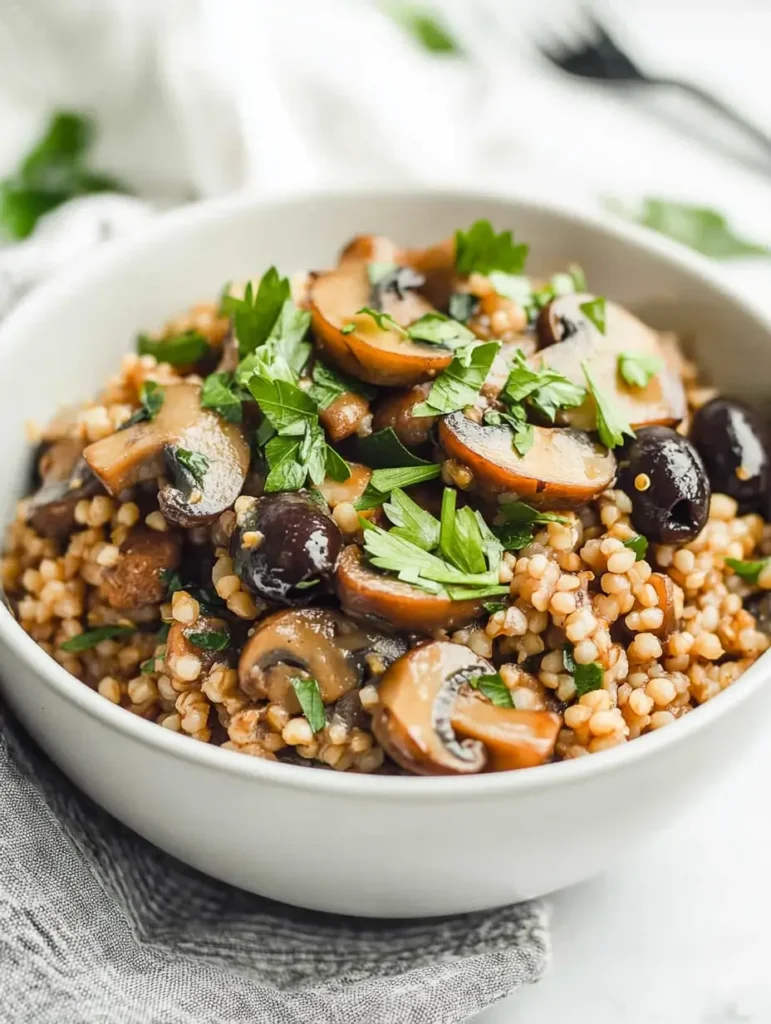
733 444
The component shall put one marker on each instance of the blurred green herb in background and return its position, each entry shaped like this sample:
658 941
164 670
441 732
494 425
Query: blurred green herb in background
698 227
52 172
425 29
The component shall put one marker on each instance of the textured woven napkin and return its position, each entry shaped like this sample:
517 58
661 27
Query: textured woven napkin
99 927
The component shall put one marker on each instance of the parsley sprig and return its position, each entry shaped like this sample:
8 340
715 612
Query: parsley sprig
480 250
519 521
460 384
544 390
152 396
636 369
611 425
586 677
493 687
432 328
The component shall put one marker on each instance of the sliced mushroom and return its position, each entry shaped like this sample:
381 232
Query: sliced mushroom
315 642
364 592
395 411
338 492
571 338
670 602
512 738
371 353
135 579
147 450
563 469
65 480
413 718
343 417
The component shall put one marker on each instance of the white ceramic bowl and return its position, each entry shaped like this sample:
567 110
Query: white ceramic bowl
364 845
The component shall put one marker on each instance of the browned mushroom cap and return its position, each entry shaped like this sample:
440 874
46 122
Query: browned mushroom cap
563 469
338 492
65 480
135 579
395 410
571 338
316 642
512 738
371 353
670 602
413 718
147 450
179 644
344 415
364 592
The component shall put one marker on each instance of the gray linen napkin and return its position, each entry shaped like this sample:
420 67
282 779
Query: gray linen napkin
99 927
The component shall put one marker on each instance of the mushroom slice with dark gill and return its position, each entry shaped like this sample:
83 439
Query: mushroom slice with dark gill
66 479
424 707
369 594
135 580
150 449
563 468
315 642
285 546
570 337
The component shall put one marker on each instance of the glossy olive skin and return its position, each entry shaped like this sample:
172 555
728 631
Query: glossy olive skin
298 553
733 446
673 508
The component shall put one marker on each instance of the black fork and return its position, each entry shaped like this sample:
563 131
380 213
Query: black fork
599 58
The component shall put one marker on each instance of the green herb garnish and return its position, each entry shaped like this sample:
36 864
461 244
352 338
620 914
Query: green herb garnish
148 667
195 463
384 481
459 384
221 393
286 406
152 396
460 539
255 314
384 450
519 522
329 385
336 466
748 570
462 306
611 425
309 698
438 329
384 320
523 434
178 350
411 521
494 688
480 250
545 390
86 641
639 545
491 607
51 173
637 369
594 311
210 639
586 677
420 23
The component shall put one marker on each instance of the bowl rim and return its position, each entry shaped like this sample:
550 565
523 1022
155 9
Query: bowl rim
103 262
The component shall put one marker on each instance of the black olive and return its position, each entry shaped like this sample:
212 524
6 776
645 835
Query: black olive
295 551
732 442
665 478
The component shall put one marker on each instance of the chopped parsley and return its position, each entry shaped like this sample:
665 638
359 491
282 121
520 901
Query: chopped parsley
411 521
523 434
210 639
286 406
177 350
480 250
439 329
329 384
459 384
383 320
586 677
637 369
611 425
152 396
594 311
519 521
221 393
384 481
748 570
193 462
87 641
255 314
494 688
545 390
491 607
420 23
384 450
309 698
462 306
639 545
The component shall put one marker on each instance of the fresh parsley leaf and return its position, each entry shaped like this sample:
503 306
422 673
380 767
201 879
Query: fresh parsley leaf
173 582
546 390
460 384
286 406
384 450
460 539
219 393
179 350
336 466
411 521
309 698
462 306
494 688
195 463
479 250
639 545
519 522
698 227
594 310
286 471
379 271
348 328
439 329
523 435
383 481
424 28
286 341
611 426
512 286
384 320
255 314
152 396
748 570
86 641
586 677
637 369
578 278
52 172
329 384
491 607
210 639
